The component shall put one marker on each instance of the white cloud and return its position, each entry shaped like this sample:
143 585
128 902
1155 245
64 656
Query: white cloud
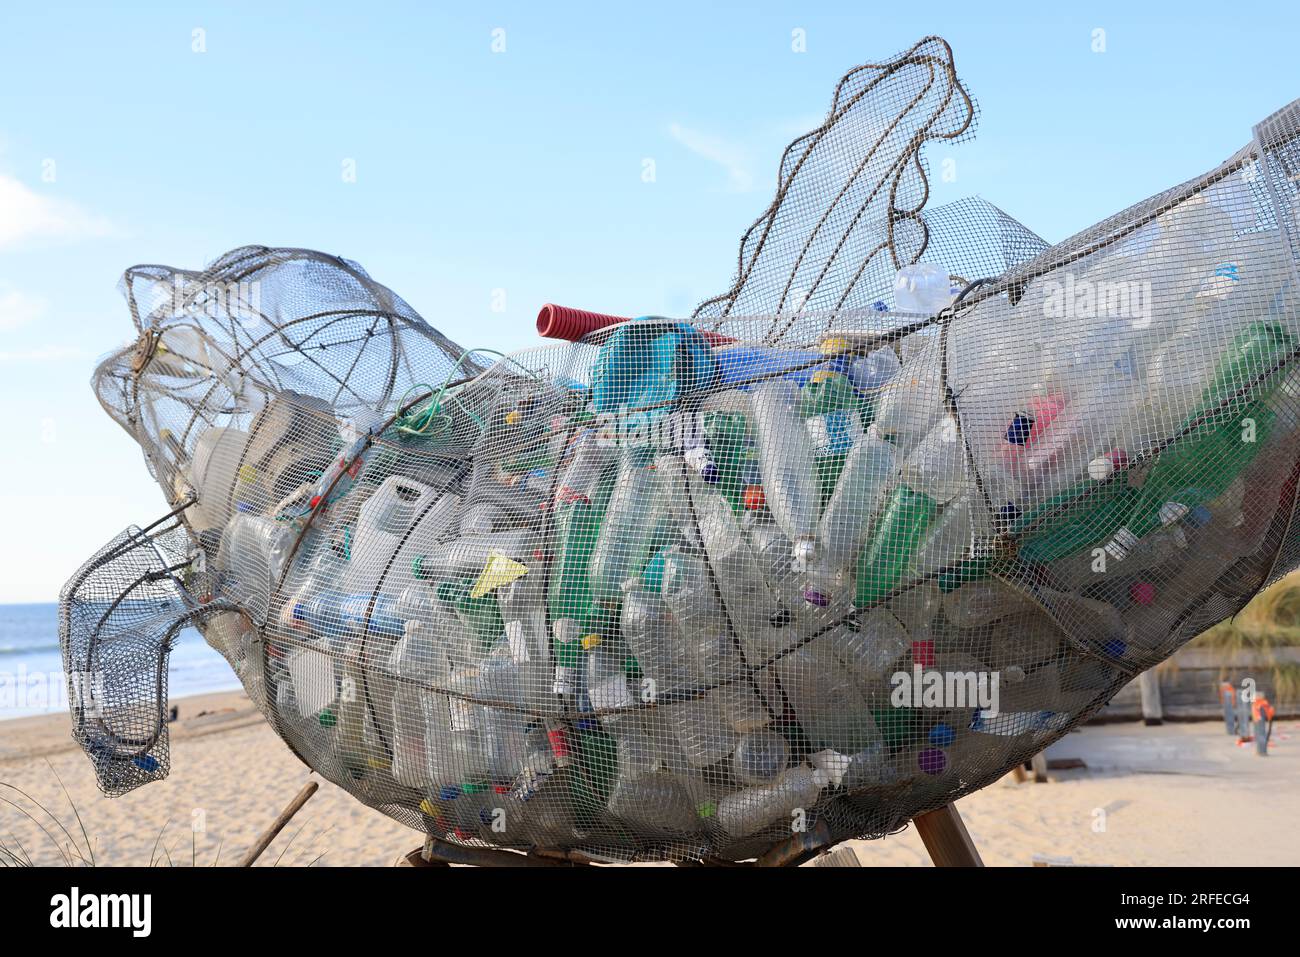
18 308
732 158
26 214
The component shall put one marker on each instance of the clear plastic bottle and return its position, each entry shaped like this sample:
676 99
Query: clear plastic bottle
711 646
913 402
790 483
418 663
846 521
748 811
607 687
872 651
922 288
760 757
634 519
698 722
826 700
932 476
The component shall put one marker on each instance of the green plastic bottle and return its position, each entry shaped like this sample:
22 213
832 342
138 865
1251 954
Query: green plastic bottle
1222 437
1083 516
883 563
734 459
577 528
482 616
933 475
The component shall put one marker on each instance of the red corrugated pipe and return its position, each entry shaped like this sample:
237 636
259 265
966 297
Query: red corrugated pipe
564 322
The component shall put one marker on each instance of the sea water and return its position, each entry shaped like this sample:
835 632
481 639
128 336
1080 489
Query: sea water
31 664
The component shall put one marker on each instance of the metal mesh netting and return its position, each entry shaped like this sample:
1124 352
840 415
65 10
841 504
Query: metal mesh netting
814 564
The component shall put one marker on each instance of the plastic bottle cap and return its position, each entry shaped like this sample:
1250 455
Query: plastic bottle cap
832 764
813 597
1143 593
1101 468
932 761
590 641
513 417
804 549
1171 512
834 345
754 498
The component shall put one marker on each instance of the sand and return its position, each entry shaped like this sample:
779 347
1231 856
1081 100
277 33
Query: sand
1177 794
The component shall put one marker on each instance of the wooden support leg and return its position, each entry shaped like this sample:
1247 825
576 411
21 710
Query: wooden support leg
1039 764
1149 685
946 838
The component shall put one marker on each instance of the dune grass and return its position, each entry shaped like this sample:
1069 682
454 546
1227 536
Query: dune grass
1269 624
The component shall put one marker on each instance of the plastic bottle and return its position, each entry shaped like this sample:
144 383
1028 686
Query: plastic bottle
634 519
760 757
502 729
785 453
582 499
933 475
729 459
756 603
466 555
846 521
523 611
872 651
1220 440
832 413
706 633
480 617
922 288
698 722
330 614
746 812
826 701
645 794
913 401
607 687
420 662
590 460
874 371
251 559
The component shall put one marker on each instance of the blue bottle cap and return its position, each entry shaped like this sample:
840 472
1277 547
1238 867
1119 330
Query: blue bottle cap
1116 647
449 792
1019 429
941 736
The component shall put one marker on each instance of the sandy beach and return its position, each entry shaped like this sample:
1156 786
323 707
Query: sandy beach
1180 794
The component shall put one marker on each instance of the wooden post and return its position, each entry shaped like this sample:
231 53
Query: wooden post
1039 764
946 838
1149 685
278 824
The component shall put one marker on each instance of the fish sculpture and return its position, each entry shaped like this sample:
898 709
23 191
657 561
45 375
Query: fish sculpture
915 496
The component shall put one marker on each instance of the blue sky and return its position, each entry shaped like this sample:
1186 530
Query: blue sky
519 171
